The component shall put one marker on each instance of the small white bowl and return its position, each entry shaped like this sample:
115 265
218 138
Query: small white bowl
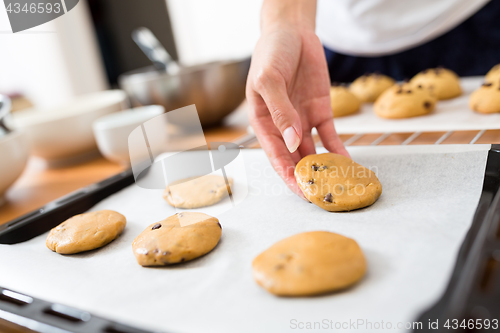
14 152
112 131
65 132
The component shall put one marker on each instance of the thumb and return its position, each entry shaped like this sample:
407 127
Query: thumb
273 90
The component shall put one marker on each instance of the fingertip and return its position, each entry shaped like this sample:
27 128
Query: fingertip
291 138
344 152
291 183
296 189
331 140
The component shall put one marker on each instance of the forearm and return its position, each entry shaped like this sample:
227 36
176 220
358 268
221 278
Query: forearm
299 13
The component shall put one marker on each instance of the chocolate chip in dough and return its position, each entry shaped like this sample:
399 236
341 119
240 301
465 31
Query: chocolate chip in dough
310 181
427 105
156 226
314 167
487 84
328 197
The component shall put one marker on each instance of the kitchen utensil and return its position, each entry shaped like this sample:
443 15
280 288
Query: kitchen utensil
216 88
112 131
14 151
472 291
64 132
5 105
153 49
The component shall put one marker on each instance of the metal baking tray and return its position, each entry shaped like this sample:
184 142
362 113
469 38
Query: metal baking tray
472 294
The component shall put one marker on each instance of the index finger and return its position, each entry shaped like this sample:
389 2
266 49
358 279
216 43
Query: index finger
330 138
281 159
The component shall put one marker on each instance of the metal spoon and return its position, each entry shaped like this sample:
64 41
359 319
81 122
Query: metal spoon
5 105
153 49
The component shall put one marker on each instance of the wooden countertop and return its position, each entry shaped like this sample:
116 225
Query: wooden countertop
39 185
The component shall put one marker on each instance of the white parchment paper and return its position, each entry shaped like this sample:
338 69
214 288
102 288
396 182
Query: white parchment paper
410 236
450 115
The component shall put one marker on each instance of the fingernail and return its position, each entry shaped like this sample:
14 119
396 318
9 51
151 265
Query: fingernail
291 138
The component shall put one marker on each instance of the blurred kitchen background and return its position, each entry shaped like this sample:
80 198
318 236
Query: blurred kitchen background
86 49
70 121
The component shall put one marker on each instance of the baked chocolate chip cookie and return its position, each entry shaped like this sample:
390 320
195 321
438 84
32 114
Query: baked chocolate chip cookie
486 99
369 87
343 102
404 101
443 83
493 74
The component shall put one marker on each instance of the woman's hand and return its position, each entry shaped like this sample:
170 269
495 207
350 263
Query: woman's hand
288 90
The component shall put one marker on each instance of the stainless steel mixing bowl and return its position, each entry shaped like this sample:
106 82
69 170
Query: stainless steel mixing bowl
215 88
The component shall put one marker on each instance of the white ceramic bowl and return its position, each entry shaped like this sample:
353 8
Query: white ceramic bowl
64 132
112 131
14 152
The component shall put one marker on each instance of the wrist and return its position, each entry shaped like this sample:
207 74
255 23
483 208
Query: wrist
297 14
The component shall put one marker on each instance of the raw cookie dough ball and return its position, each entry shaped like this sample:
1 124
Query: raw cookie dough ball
404 101
493 74
486 99
337 183
197 191
309 263
370 86
442 82
343 102
86 232
178 238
